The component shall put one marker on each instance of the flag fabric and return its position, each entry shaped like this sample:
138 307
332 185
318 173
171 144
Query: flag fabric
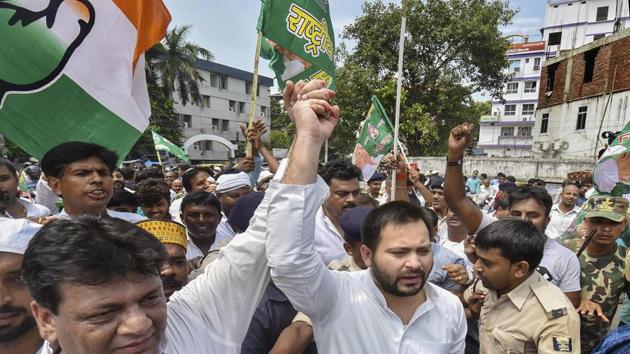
298 40
376 139
611 174
161 143
74 71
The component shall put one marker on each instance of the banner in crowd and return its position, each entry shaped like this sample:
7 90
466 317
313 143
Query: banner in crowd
74 71
298 40
376 139
161 143
611 174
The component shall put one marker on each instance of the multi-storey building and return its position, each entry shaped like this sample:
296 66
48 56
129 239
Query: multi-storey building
571 24
584 93
507 131
225 104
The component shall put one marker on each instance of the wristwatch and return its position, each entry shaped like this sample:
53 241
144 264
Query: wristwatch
455 163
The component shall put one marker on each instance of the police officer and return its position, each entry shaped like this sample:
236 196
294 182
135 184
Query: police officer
519 311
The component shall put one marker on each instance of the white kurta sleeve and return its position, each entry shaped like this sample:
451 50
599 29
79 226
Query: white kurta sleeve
296 268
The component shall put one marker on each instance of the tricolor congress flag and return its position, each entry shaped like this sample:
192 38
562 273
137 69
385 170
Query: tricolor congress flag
299 40
74 71
375 140
161 143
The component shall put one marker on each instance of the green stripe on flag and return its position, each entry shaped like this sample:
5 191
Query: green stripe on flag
60 113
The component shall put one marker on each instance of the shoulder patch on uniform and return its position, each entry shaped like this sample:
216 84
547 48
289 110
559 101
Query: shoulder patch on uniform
562 344
550 300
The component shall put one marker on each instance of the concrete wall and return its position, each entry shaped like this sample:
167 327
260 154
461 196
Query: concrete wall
523 169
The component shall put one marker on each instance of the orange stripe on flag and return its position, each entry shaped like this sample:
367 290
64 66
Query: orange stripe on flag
150 18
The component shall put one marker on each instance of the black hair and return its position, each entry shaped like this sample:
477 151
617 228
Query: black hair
9 166
87 251
518 240
340 169
122 197
189 174
483 176
150 191
201 198
128 173
525 191
569 182
501 174
149 173
532 181
56 159
511 179
432 216
397 213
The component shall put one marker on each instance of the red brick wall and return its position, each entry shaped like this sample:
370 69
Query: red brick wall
620 56
558 87
578 88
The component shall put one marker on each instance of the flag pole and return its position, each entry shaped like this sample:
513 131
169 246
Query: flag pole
401 48
158 156
252 111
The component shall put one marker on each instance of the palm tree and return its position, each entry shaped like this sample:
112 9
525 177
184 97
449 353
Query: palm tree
173 62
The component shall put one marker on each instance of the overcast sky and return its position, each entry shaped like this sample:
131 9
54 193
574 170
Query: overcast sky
228 27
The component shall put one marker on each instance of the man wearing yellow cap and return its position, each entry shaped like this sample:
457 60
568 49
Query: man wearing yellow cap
174 272
602 264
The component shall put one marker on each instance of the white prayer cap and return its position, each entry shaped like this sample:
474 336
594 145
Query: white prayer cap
15 234
211 179
264 175
230 182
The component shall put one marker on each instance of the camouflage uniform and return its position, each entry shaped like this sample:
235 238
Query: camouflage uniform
602 277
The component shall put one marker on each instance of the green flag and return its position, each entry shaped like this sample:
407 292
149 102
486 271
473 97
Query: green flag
376 139
162 144
611 174
298 40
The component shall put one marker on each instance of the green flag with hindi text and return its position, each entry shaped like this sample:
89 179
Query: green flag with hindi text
298 40
376 139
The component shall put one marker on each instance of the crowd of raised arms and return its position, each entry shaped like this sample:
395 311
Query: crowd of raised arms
304 257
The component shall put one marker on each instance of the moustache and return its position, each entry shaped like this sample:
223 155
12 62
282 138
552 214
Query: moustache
349 206
12 309
171 283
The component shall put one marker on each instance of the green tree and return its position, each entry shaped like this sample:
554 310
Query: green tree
281 126
175 60
453 49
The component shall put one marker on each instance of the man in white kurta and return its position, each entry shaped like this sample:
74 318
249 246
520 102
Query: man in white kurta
349 311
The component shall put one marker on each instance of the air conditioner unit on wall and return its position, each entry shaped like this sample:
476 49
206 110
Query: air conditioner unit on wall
543 146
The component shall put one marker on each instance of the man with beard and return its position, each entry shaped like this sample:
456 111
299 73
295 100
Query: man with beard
201 212
81 174
342 178
14 206
388 308
559 265
18 330
174 272
519 311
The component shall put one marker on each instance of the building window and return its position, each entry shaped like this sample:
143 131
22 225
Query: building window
528 109
507 131
536 63
581 118
598 36
232 106
225 125
205 101
555 38
530 86
263 111
510 109
551 76
213 80
224 82
258 90
512 87
207 145
544 123
515 65
589 64
241 107
524 131
248 88
186 120
602 13
216 124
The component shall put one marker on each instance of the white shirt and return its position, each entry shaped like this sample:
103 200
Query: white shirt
328 241
192 251
224 230
33 210
129 217
349 312
560 222
458 249
211 314
175 210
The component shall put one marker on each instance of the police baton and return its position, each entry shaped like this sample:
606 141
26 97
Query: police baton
586 242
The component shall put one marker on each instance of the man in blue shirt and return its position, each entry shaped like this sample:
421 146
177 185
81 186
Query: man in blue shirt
473 183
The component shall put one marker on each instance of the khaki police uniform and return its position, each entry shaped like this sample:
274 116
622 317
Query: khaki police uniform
535 317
